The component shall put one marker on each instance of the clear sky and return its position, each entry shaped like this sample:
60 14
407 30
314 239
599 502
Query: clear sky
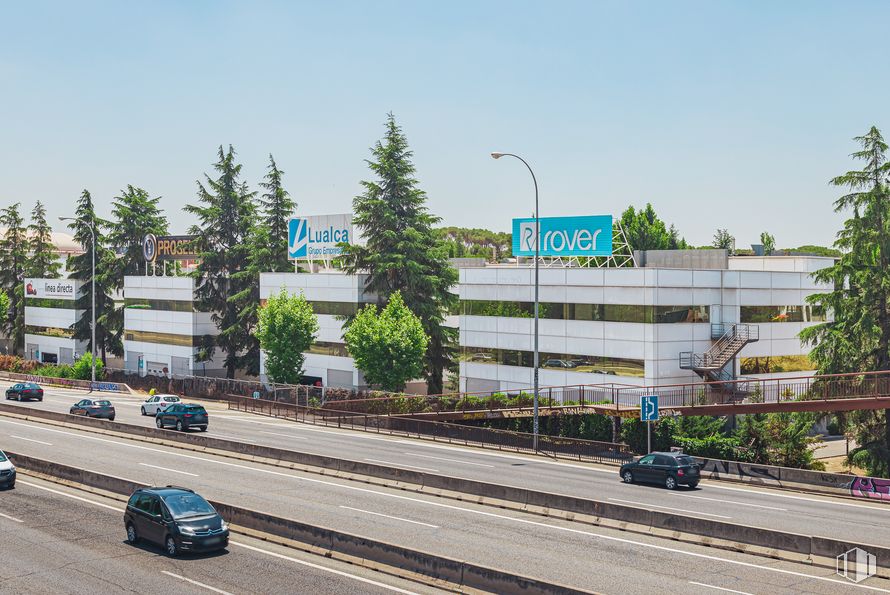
722 114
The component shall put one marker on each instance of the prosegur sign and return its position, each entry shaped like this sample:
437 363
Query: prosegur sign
49 288
158 248
564 236
318 237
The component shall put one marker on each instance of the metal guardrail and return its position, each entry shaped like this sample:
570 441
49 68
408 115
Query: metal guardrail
555 446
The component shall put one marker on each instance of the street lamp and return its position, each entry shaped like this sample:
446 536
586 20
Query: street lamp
498 155
93 309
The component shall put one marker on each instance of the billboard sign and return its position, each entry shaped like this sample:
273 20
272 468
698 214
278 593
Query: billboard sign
159 248
564 236
50 288
318 237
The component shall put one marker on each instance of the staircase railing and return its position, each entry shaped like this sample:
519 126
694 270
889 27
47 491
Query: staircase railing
729 343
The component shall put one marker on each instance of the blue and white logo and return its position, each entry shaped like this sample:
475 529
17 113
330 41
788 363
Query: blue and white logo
297 238
318 237
564 236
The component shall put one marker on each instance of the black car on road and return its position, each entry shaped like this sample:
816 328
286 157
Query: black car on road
101 408
669 469
24 391
176 518
7 472
182 416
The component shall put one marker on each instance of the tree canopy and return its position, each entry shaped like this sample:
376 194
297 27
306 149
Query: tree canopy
286 329
646 231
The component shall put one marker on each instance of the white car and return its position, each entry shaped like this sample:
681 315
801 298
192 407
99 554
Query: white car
152 405
7 472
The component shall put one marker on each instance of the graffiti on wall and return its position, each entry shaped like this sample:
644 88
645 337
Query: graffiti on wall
716 468
870 487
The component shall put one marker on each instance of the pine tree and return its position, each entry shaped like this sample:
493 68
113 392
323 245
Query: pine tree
43 262
858 338
80 267
13 260
278 207
226 213
402 251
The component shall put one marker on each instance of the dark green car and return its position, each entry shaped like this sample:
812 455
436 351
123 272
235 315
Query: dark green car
182 416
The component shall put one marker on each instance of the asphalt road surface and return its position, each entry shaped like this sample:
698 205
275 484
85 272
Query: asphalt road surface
594 558
781 510
55 539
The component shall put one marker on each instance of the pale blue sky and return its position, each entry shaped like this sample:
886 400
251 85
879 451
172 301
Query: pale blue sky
722 114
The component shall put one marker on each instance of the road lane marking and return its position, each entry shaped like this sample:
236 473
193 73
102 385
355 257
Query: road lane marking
11 518
39 487
325 569
390 517
360 579
648 505
736 502
720 588
170 470
291 436
30 439
196 583
414 454
401 465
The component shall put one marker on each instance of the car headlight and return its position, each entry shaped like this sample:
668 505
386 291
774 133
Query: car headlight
224 526
186 530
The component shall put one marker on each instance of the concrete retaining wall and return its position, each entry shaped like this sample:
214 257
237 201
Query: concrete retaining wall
111 387
458 572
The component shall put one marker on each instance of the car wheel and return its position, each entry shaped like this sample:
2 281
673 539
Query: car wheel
178 425
693 484
670 483
143 411
203 428
170 546
628 477
159 423
111 418
40 400
131 534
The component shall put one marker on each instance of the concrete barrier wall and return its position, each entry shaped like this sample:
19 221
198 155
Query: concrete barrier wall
113 387
439 567
871 488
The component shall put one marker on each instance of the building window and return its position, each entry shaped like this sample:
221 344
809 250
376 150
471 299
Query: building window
165 338
163 305
602 312
775 364
329 348
49 331
49 303
591 364
332 308
782 314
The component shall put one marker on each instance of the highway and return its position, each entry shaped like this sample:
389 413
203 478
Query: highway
58 540
593 558
835 517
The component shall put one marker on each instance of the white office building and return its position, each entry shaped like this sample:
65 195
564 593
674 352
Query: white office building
640 326
163 331
50 314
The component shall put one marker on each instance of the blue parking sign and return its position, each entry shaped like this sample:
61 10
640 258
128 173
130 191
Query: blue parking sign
649 408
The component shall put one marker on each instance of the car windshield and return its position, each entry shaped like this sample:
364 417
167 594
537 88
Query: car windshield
185 505
31 385
195 409
104 403
685 461
3 458
171 399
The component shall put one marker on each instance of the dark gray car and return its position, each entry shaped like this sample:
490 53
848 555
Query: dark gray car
175 518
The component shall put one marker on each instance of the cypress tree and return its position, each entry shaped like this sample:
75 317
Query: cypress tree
80 267
225 213
42 260
278 207
13 259
402 251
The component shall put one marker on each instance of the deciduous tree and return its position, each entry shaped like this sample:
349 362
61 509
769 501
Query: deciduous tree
286 329
388 347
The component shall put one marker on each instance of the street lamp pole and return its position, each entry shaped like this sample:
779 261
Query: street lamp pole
93 298
498 155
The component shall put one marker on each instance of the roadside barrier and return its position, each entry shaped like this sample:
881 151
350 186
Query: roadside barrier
457 572
99 385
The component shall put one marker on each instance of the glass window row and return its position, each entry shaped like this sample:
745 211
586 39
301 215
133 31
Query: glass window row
591 364
806 313
597 312
50 303
329 348
49 331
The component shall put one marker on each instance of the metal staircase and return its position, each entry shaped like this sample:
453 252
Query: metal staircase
729 339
